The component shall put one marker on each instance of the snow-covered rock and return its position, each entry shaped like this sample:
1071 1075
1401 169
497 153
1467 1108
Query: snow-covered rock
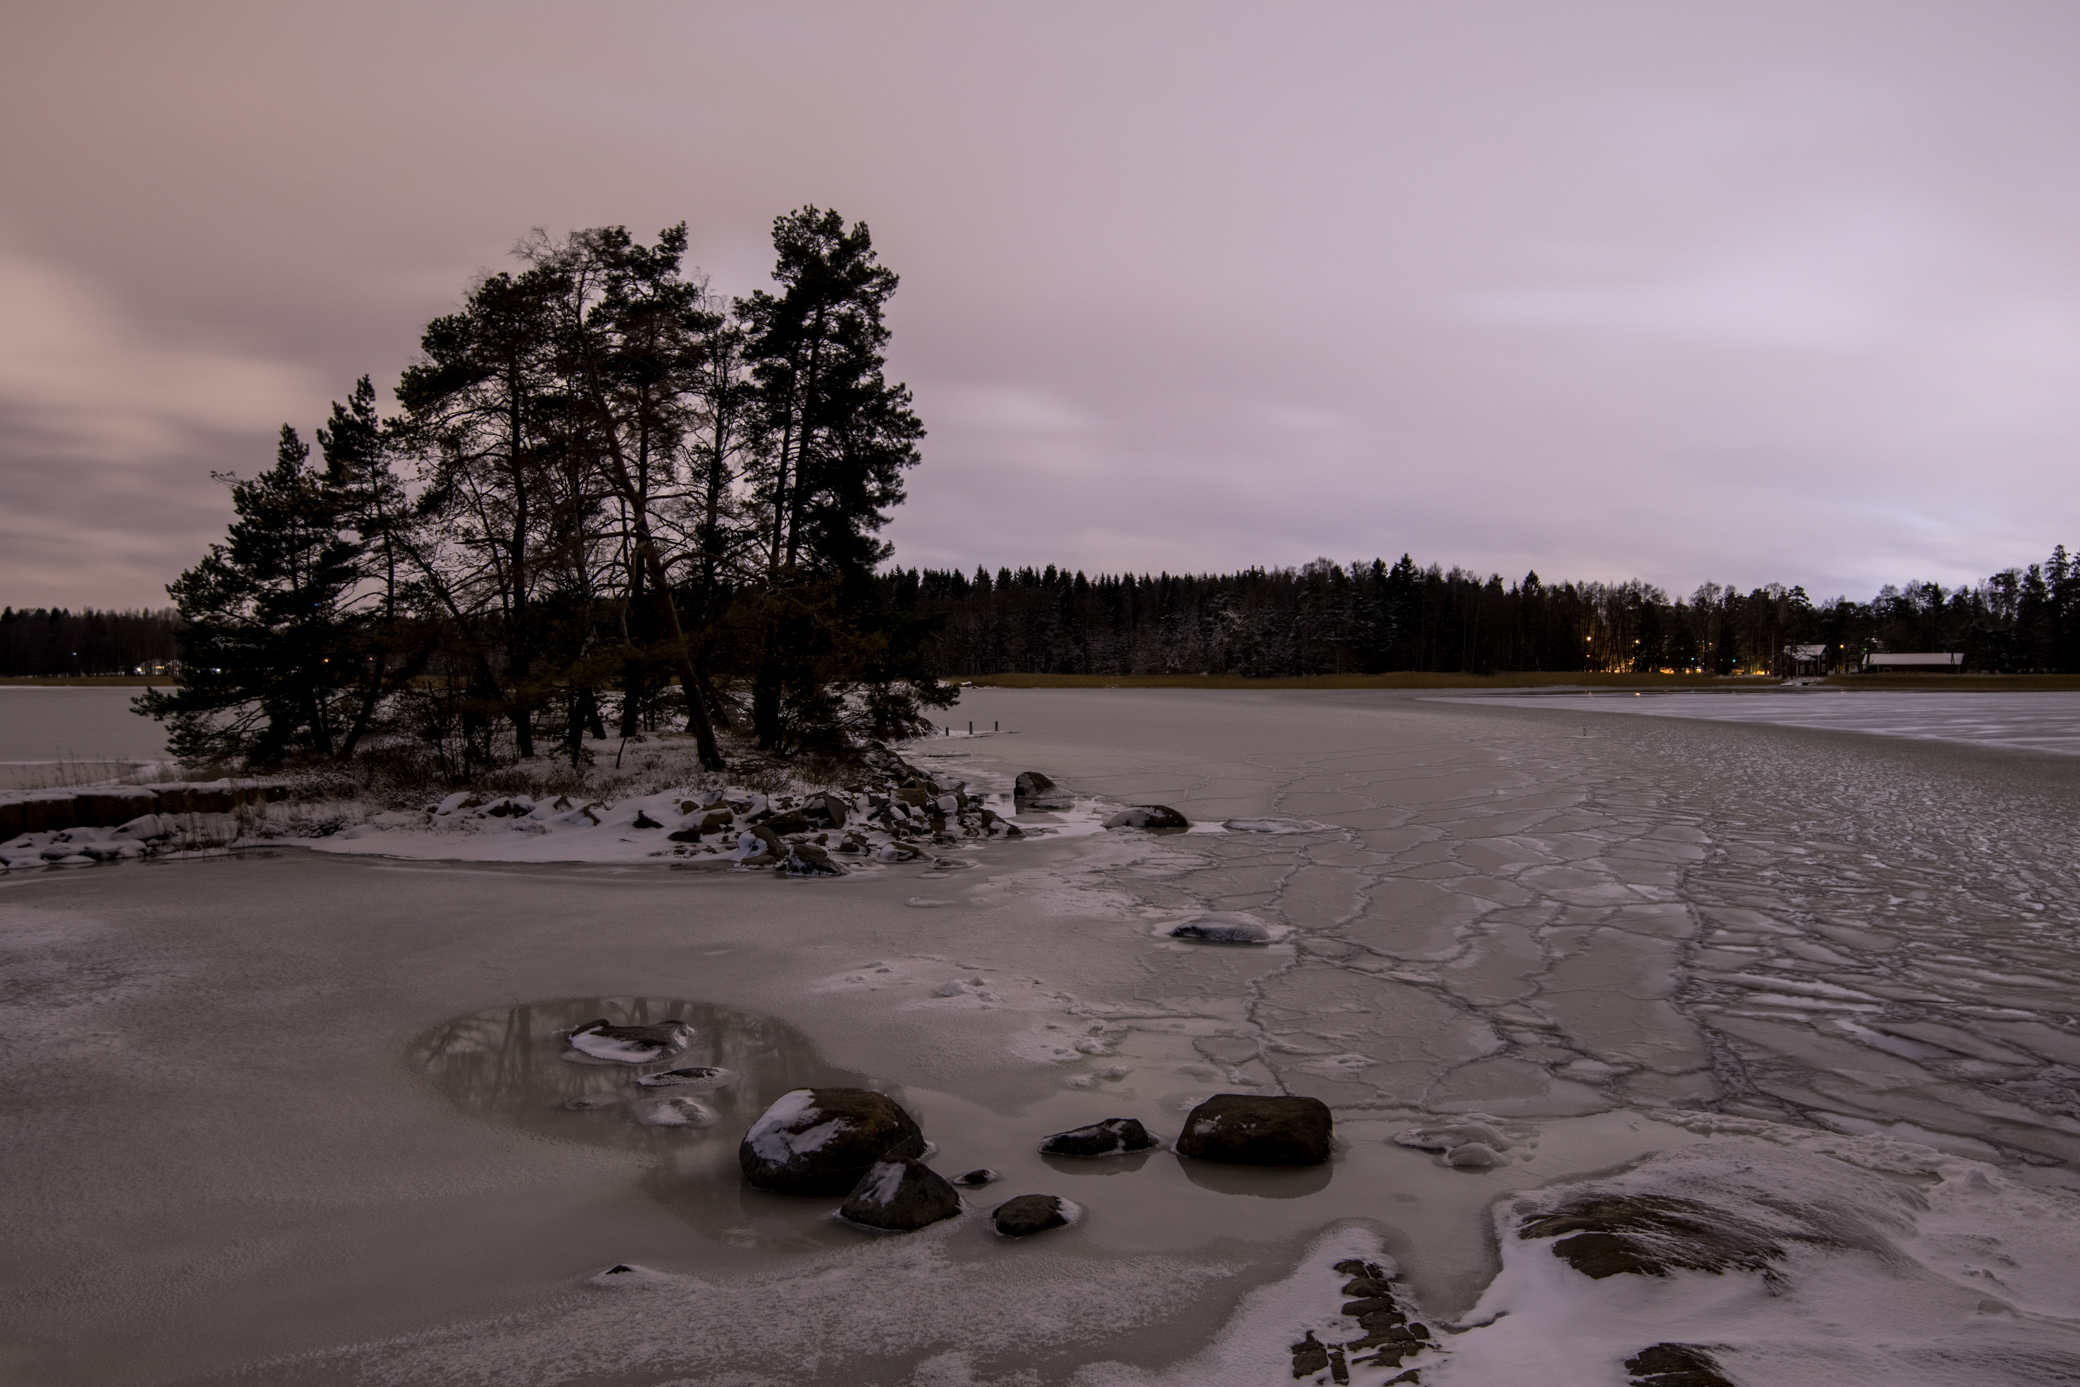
822 1140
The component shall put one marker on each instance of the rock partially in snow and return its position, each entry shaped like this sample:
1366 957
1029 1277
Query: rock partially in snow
808 860
822 1140
1225 927
1269 826
1033 1213
899 1197
1115 1136
628 1276
1475 1142
1253 1129
1159 817
977 1178
601 1041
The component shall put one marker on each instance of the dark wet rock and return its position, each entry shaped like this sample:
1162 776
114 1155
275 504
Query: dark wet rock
643 820
1034 785
715 820
830 810
1651 1235
697 1078
1675 1365
601 1040
1032 1213
1248 1129
1223 927
808 860
900 1196
788 821
1154 816
1310 1356
1388 1334
684 835
976 1179
822 1140
852 843
1115 1136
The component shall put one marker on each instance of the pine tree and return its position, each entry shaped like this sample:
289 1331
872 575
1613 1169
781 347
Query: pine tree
263 616
831 440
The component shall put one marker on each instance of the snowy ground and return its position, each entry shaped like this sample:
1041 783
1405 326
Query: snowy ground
309 1110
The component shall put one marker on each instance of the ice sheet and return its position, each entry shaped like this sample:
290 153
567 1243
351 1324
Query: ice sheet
1667 935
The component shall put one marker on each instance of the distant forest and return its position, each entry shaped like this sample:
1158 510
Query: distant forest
1329 618
55 642
1371 618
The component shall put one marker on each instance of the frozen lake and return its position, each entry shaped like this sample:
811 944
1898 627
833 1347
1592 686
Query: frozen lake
2021 721
55 735
306 1112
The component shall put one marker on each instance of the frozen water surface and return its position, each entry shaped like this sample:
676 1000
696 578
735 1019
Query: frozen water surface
2048 721
310 1113
57 734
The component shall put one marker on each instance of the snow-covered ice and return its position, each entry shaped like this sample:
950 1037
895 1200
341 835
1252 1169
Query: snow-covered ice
1822 987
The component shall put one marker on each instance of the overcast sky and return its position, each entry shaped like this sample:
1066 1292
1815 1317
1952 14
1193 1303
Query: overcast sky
1741 292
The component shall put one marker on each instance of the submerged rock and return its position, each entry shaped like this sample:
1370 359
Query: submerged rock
1115 1136
1033 1213
601 1040
697 1079
900 1196
1675 1365
1154 816
1248 1129
822 1140
1224 927
675 1112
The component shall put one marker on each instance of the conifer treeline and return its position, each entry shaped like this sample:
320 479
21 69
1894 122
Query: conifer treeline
1328 618
55 642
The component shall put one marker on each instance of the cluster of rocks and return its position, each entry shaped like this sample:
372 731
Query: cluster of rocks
113 823
823 1141
897 814
602 1042
862 1145
1387 1333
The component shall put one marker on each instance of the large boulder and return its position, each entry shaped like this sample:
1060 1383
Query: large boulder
1039 791
900 1197
1156 816
1033 1213
1115 1136
1247 1129
822 1140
